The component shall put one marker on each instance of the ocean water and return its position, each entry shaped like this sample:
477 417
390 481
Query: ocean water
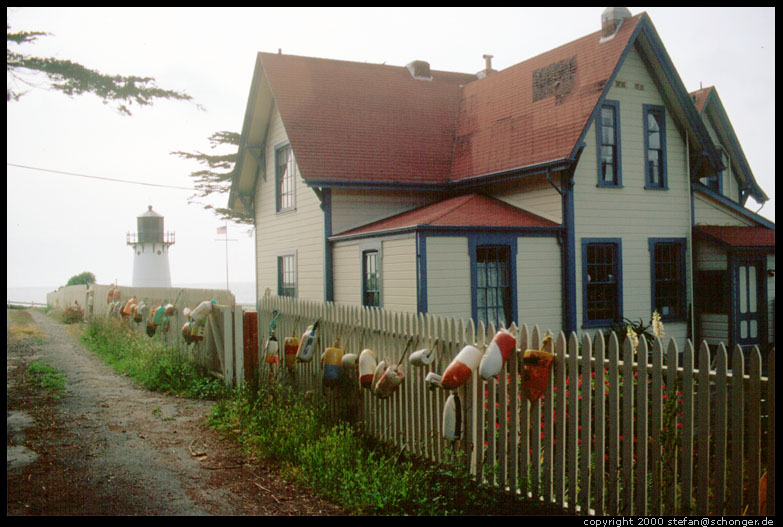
244 292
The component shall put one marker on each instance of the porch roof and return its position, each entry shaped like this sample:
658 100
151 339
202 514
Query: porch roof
734 236
470 210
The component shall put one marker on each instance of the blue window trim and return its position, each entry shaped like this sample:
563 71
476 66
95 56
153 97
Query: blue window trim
364 248
618 157
648 109
278 148
280 260
683 243
618 264
509 240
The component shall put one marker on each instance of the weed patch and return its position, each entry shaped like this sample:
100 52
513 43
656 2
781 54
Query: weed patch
44 376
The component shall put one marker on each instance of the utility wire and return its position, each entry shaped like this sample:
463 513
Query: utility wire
98 177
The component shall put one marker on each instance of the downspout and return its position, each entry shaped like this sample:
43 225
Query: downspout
569 246
692 212
326 207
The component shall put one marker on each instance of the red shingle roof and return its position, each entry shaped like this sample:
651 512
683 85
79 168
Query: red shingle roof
504 122
758 237
358 122
471 210
352 122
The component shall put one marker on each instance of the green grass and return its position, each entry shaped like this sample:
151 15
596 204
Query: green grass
349 468
156 366
44 376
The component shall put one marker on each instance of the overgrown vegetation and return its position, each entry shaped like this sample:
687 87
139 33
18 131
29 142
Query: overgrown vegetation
156 366
44 376
342 464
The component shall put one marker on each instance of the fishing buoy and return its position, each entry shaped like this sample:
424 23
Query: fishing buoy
350 361
126 309
170 310
367 365
452 418
199 315
332 361
422 357
141 312
186 313
499 350
290 347
380 368
271 349
307 344
537 365
114 295
466 361
389 381
187 334
433 379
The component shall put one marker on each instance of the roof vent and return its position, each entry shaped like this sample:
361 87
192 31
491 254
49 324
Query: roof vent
420 70
611 20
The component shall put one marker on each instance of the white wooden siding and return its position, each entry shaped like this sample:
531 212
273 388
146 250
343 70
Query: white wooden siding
534 194
347 268
301 229
709 212
353 208
633 213
709 256
539 279
398 274
448 277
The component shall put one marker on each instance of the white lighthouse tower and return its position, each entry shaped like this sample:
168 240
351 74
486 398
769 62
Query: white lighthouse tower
151 251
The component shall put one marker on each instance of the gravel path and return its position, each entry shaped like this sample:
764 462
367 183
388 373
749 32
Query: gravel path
109 447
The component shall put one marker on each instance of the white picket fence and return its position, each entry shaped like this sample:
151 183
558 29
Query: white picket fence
610 436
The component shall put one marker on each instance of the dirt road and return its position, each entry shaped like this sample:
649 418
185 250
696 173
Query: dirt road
108 447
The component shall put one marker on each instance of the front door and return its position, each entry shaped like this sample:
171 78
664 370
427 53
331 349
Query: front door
749 301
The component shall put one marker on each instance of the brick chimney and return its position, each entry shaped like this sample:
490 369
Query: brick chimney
420 70
487 67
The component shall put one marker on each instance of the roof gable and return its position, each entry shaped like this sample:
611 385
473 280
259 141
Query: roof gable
709 106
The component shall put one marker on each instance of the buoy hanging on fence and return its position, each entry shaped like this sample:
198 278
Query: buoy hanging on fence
126 309
536 367
290 347
422 357
307 344
350 361
331 360
170 310
114 295
389 382
452 418
466 361
271 350
202 311
499 350
367 365
377 374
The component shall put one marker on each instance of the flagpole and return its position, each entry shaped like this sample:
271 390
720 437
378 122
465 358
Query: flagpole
224 230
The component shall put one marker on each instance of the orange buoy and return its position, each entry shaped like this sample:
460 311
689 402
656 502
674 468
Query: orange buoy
367 365
461 367
290 347
499 350
380 368
452 418
537 366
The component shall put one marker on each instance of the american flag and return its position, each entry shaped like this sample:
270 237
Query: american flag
222 230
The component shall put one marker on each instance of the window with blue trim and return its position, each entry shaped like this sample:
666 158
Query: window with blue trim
601 279
668 278
654 147
493 284
608 128
286 275
371 283
284 178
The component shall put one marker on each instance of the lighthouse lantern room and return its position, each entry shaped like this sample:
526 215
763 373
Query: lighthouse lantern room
151 251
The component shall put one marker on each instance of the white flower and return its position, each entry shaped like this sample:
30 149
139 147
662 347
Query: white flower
633 336
657 325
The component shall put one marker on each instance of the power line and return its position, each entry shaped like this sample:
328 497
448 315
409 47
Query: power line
98 177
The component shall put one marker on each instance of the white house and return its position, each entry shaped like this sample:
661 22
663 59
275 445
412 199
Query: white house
573 190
